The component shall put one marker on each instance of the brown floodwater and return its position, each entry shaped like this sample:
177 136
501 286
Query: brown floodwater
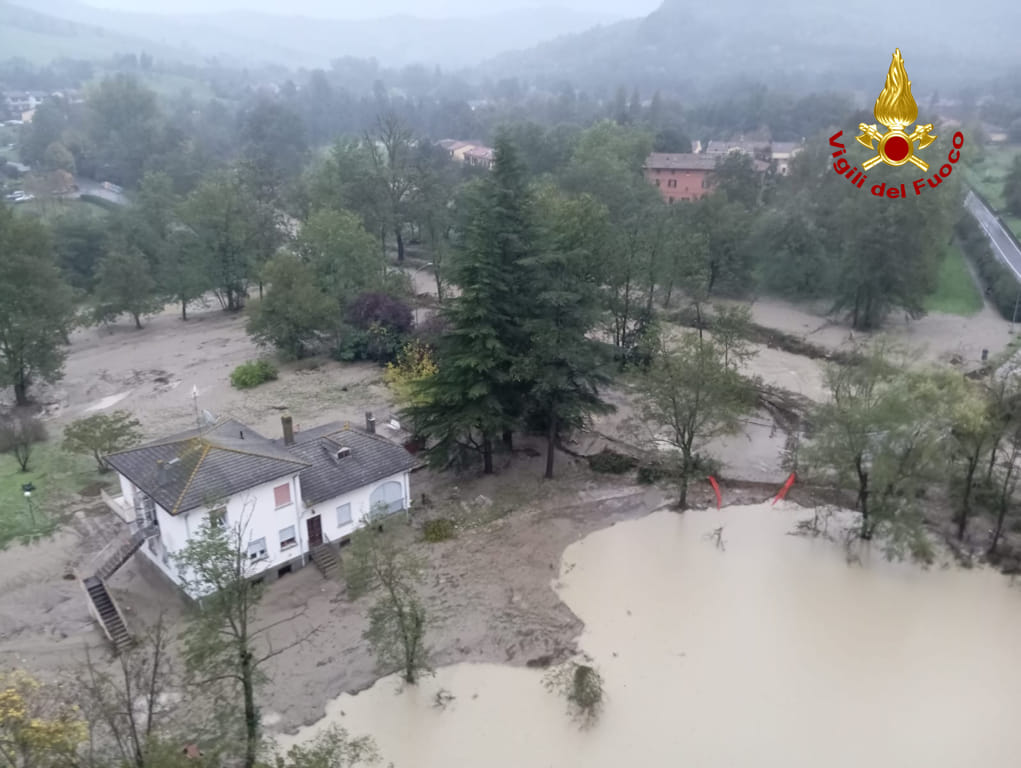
772 652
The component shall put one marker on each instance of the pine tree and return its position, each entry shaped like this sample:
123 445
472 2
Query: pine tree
562 364
474 397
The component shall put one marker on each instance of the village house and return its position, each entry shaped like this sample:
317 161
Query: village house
778 152
679 176
480 157
296 497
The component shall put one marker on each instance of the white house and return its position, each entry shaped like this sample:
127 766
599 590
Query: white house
296 497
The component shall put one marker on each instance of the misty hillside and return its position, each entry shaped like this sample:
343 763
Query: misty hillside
255 38
39 38
686 46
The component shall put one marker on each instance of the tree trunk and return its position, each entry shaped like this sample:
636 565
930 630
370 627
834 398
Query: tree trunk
1004 504
184 309
962 521
138 321
992 460
669 293
251 713
260 290
487 456
20 391
508 439
863 499
551 437
400 245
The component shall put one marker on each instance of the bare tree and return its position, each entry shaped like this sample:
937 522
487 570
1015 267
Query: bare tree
224 643
19 432
390 149
128 708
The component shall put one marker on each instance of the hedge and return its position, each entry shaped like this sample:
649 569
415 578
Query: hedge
1000 283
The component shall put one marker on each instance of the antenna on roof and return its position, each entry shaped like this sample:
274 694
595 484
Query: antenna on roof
195 401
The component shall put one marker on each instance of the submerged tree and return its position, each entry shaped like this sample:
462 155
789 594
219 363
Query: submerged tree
692 395
882 434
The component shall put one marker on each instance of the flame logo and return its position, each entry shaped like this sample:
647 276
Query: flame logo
896 107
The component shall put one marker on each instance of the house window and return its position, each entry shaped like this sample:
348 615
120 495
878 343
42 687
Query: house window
657 182
343 515
287 538
387 498
257 549
218 518
282 495
672 183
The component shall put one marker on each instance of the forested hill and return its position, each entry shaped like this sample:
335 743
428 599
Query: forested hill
686 47
256 38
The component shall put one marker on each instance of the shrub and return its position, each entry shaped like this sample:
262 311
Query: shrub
648 474
252 374
612 463
582 686
440 529
370 309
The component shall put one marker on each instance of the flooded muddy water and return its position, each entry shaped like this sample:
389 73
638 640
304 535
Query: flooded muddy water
770 652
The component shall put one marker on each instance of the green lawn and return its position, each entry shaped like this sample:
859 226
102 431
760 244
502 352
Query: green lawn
956 292
57 476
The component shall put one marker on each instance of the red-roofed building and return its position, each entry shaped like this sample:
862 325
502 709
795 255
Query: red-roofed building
679 176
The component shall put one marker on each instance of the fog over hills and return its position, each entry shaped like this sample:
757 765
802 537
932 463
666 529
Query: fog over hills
250 37
684 45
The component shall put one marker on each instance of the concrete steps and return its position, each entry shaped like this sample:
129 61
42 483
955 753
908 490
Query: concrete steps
327 561
107 613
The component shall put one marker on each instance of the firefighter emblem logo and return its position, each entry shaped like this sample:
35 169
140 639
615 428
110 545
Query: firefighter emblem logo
896 109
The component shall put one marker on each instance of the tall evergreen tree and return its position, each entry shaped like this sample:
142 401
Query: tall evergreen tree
562 364
474 397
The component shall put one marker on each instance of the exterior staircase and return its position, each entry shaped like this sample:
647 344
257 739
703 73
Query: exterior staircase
327 560
106 612
125 550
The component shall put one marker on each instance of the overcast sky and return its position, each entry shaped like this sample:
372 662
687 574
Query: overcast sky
358 9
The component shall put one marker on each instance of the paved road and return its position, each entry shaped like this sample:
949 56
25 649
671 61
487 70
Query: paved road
1003 246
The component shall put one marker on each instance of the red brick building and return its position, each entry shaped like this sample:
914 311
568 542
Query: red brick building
679 176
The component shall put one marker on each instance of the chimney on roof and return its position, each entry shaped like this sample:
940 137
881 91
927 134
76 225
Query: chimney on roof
370 423
288 425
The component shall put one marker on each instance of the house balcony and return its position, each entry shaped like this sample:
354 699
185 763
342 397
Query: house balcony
119 506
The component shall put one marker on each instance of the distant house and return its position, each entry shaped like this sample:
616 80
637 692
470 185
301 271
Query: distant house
481 157
679 176
780 152
297 497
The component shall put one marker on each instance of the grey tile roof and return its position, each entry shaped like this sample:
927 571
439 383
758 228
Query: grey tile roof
371 459
680 161
202 465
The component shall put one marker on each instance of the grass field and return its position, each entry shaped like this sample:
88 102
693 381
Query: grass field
57 477
956 292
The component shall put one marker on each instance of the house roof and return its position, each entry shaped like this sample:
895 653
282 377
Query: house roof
680 162
325 476
202 465
483 153
722 147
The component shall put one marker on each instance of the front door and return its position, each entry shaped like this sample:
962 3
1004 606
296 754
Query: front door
315 531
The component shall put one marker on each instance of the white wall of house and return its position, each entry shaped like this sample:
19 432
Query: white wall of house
335 522
268 527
